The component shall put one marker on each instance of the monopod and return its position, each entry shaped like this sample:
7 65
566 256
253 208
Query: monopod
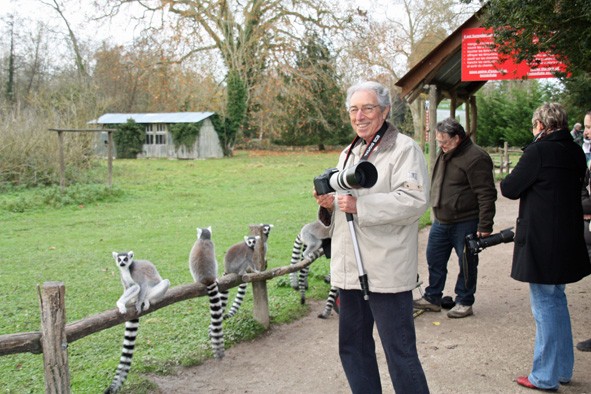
362 274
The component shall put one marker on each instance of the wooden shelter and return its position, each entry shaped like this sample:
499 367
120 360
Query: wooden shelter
439 74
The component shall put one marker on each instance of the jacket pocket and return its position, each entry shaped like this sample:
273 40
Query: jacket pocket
520 231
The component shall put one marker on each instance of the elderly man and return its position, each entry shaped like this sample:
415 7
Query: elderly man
385 222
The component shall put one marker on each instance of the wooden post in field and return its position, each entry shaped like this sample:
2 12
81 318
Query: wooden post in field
506 163
53 338
259 289
60 137
110 157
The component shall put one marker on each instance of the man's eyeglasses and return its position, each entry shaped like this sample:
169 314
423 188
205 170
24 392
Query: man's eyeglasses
365 110
444 142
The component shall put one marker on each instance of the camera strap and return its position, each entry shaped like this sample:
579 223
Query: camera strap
374 142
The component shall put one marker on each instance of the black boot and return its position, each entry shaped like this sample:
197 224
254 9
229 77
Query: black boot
584 346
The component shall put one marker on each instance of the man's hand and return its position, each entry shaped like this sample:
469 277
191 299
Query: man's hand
325 200
347 203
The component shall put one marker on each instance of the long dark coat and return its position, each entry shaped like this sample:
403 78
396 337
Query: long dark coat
549 245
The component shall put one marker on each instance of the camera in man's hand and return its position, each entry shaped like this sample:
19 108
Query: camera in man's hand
475 245
362 175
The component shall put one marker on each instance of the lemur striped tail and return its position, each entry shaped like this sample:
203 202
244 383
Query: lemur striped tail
329 306
224 298
131 330
216 333
303 283
304 272
296 256
237 301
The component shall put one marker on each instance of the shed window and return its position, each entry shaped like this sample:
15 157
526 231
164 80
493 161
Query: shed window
156 134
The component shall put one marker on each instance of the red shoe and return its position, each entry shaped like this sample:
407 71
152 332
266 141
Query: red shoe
524 381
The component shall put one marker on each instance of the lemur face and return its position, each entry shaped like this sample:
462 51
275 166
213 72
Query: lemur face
123 259
267 229
251 241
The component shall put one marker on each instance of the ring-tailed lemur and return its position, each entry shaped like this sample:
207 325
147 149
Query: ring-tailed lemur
310 236
331 303
204 267
266 230
239 260
143 284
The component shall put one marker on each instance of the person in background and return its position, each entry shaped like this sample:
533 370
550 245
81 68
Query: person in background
587 137
549 247
577 133
385 221
585 346
463 196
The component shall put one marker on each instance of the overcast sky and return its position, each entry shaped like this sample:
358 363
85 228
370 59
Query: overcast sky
119 31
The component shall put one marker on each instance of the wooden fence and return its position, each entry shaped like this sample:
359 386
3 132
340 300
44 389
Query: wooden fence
60 136
56 334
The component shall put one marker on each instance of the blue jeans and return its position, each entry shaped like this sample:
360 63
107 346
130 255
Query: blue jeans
393 315
443 238
554 357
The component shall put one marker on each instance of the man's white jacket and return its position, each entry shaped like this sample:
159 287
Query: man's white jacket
387 220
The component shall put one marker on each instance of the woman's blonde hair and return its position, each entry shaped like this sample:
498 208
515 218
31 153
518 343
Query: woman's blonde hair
552 116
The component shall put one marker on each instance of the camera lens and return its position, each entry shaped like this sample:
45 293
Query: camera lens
364 174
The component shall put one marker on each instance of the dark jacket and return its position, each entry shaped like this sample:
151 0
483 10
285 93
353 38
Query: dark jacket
586 202
585 198
549 245
463 186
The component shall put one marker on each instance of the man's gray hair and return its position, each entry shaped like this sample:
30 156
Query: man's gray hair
382 92
451 127
552 116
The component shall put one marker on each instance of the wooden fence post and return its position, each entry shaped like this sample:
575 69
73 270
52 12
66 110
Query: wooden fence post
506 162
259 289
433 102
60 137
110 157
53 338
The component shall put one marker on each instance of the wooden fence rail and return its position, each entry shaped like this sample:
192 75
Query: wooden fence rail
30 342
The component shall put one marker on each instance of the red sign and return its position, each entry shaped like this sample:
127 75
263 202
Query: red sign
480 62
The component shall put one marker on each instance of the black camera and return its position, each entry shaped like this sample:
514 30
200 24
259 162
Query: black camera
475 245
362 175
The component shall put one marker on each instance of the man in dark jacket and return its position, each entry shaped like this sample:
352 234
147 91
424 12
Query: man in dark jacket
549 249
463 196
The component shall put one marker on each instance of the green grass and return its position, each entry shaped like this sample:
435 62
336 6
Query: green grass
153 209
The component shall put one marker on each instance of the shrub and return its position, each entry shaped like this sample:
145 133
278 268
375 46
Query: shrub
29 153
185 134
129 139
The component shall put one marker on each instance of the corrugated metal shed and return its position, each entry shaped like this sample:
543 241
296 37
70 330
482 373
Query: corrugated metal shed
164 117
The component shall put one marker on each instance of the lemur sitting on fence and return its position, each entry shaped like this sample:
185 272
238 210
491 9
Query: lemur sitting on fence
143 285
204 267
239 259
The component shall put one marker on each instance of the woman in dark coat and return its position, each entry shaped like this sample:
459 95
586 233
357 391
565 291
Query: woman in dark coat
549 247
585 346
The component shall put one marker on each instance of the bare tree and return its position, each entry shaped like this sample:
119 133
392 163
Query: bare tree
10 88
248 36
58 7
399 36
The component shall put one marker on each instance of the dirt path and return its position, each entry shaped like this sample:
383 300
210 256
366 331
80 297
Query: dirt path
479 354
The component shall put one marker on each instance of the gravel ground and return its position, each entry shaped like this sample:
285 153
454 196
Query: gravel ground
478 354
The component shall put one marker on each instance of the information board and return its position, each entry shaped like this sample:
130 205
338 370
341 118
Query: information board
480 61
